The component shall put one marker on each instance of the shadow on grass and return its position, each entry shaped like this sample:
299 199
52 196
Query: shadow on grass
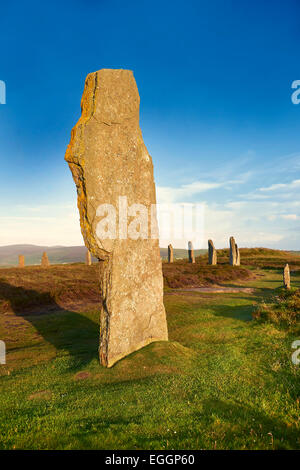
260 425
238 312
67 331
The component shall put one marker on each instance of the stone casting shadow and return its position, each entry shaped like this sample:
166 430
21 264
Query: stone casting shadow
65 330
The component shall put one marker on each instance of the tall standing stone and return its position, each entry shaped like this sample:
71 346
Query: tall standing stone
111 166
21 261
286 277
212 253
191 253
170 254
88 258
45 261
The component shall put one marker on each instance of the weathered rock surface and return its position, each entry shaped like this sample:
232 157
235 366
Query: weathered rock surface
170 254
21 261
212 253
191 252
286 277
88 258
45 261
108 159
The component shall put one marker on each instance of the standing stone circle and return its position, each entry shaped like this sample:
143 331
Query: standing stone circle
170 254
212 253
286 277
88 258
109 161
45 261
191 252
21 261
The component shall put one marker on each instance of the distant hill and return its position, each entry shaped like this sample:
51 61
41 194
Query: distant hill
33 254
62 254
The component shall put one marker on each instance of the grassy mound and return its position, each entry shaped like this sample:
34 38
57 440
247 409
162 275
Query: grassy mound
183 274
259 258
283 310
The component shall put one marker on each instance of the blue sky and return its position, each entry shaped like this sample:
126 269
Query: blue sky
216 112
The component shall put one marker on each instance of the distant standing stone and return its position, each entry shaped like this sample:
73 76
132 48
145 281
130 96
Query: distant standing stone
21 261
286 277
45 261
191 253
212 253
234 255
88 258
238 256
170 254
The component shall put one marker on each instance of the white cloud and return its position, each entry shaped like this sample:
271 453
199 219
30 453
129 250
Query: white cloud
279 186
168 194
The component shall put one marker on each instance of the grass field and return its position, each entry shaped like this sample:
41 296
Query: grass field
223 381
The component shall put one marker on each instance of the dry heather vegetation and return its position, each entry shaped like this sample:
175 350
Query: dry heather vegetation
223 381
183 274
33 287
284 309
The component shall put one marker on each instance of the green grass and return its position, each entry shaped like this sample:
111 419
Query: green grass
221 382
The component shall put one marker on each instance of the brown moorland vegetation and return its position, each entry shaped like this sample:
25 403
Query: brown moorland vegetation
262 258
33 287
184 274
284 309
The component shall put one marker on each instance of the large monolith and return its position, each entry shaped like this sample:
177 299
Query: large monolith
170 254
21 261
191 252
212 253
286 277
45 261
113 173
88 258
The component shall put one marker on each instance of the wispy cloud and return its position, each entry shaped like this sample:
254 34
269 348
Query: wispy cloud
279 186
168 194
